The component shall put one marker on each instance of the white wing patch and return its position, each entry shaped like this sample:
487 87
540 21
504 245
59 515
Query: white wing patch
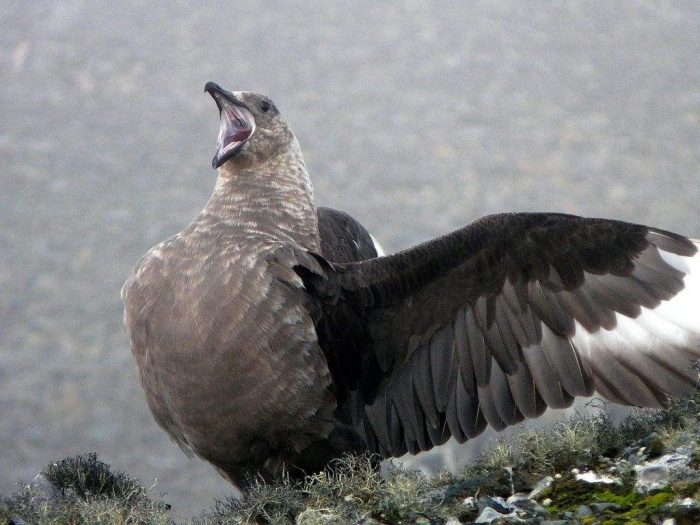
659 346
378 247
684 309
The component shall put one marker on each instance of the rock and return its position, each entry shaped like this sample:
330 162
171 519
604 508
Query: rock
470 503
497 503
541 487
583 511
452 521
489 515
652 477
495 507
592 477
490 483
602 506
526 504
521 502
686 510
648 447
688 502
42 485
657 474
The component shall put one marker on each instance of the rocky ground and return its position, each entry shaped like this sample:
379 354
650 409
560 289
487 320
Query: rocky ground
586 471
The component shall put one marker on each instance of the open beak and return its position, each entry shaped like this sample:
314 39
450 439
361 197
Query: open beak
236 123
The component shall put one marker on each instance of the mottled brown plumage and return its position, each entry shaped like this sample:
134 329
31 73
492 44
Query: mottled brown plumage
269 336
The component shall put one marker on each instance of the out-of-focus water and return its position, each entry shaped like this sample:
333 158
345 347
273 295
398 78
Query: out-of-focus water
414 117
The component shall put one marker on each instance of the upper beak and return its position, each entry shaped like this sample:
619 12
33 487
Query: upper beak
236 126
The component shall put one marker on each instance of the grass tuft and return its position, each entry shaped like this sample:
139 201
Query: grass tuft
582 441
83 490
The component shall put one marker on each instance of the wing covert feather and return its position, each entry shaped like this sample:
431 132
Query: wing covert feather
516 312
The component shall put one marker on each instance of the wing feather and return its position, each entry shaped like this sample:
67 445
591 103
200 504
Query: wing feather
514 313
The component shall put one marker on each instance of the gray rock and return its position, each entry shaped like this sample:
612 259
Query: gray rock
583 511
489 515
470 503
526 504
487 483
45 487
652 477
541 486
593 477
521 502
688 503
650 446
497 503
602 506
657 474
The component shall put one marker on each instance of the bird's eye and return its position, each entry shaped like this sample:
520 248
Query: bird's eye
264 106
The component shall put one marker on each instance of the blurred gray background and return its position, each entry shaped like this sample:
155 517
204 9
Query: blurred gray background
414 117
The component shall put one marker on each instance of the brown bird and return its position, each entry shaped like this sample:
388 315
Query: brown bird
269 335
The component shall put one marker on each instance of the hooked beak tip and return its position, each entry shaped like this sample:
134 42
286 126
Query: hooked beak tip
211 86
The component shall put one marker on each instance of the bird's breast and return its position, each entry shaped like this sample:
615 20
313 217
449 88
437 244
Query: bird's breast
230 351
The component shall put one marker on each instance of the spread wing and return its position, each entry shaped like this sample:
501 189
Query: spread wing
494 322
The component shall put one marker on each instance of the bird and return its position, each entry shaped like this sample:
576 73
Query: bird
272 336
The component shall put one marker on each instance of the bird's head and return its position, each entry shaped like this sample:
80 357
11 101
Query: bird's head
251 129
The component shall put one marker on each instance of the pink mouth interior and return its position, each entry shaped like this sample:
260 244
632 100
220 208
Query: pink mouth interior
237 125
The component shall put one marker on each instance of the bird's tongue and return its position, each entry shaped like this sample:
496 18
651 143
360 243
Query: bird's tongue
236 126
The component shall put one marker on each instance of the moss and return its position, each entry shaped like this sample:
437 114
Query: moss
648 507
623 500
658 499
568 494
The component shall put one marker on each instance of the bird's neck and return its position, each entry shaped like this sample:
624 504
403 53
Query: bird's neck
273 200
